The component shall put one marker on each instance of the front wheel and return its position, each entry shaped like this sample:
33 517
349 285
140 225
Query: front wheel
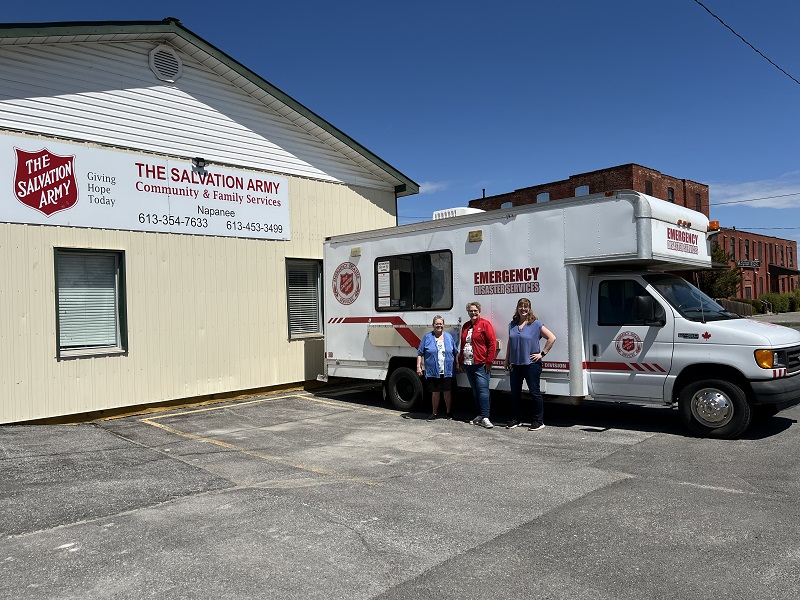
715 408
404 389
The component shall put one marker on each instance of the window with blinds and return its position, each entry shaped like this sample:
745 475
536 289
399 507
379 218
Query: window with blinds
304 297
89 301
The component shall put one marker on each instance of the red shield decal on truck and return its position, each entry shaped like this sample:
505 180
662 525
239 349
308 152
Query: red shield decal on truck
628 344
45 181
346 283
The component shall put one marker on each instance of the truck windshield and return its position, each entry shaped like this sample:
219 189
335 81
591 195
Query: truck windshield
690 302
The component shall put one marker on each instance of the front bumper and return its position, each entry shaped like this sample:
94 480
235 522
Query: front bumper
776 391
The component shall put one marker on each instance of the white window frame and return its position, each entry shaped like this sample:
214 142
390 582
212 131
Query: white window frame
304 298
90 324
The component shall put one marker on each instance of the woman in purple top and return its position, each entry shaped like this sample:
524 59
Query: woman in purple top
524 360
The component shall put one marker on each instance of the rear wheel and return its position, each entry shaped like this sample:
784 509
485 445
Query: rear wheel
404 389
715 408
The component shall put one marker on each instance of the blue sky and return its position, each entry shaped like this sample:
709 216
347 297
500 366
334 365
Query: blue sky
462 96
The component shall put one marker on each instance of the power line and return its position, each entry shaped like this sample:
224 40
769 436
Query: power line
755 199
746 42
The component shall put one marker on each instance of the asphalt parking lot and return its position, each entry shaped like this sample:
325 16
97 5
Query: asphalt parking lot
335 495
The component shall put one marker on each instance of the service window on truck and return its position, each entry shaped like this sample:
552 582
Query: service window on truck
420 281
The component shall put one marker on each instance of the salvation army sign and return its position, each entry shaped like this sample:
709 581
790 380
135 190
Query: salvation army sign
45 181
54 183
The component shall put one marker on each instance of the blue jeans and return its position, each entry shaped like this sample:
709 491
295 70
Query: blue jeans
479 382
530 373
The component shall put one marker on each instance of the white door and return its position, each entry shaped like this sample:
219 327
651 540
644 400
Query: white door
628 357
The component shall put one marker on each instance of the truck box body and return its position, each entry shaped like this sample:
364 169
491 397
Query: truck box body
595 269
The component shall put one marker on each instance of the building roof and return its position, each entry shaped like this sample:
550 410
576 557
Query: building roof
171 31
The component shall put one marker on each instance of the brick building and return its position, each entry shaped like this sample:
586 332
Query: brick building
623 177
769 264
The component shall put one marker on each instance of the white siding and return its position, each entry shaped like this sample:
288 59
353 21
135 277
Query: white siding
206 315
105 93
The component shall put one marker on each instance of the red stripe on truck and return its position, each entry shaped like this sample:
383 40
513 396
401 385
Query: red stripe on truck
400 326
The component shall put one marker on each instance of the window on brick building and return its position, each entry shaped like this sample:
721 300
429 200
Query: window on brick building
791 260
733 248
506 205
760 286
782 263
671 194
648 187
771 256
748 292
543 197
747 249
698 203
582 190
760 252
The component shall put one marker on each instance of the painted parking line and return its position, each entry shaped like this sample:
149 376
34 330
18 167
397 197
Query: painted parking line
152 421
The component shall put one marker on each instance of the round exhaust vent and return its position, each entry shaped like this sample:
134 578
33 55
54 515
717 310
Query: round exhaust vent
166 64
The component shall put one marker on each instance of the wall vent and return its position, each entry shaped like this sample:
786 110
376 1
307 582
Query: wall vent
166 64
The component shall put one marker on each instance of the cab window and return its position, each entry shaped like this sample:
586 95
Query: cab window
616 301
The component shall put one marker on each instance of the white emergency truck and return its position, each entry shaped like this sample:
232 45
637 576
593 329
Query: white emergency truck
597 270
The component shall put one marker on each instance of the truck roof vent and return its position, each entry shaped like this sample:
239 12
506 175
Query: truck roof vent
166 64
455 212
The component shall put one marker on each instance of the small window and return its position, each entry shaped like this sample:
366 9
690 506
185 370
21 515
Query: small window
760 251
543 197
771 255
698 203
782 263
421 281
733 248
760 286
671 194
304 297
90 302
747 249
791 254
616 301
648 187
507 205
582 190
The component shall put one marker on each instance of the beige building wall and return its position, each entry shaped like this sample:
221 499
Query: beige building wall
205 314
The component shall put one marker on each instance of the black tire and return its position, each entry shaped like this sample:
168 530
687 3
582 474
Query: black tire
404 389
715 408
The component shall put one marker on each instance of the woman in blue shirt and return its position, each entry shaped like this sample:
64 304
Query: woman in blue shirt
439 352
524 360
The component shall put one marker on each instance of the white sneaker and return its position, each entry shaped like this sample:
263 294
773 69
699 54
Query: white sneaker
486 423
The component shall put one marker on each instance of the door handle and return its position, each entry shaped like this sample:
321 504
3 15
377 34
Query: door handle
595 350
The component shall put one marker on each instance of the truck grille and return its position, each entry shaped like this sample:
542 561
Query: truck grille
792 360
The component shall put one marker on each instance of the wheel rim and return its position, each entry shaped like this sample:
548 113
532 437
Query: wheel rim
712 407
405 390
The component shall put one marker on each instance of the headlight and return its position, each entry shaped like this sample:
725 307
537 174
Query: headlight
770 359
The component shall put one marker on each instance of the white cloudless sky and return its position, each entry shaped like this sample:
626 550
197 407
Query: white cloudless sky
465 96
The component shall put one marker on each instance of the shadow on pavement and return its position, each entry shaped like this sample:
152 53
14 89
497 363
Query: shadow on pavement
591 417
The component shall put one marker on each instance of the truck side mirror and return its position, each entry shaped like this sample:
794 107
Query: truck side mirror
650 312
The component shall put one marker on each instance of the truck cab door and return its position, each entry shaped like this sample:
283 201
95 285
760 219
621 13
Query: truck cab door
629 341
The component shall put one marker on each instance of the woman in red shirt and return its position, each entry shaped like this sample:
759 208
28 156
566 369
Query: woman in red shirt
478 349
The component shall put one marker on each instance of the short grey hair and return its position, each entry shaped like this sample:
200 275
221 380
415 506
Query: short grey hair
437 318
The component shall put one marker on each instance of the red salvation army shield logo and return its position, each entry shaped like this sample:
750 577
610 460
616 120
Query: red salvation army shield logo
346 283
45 181
628 344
